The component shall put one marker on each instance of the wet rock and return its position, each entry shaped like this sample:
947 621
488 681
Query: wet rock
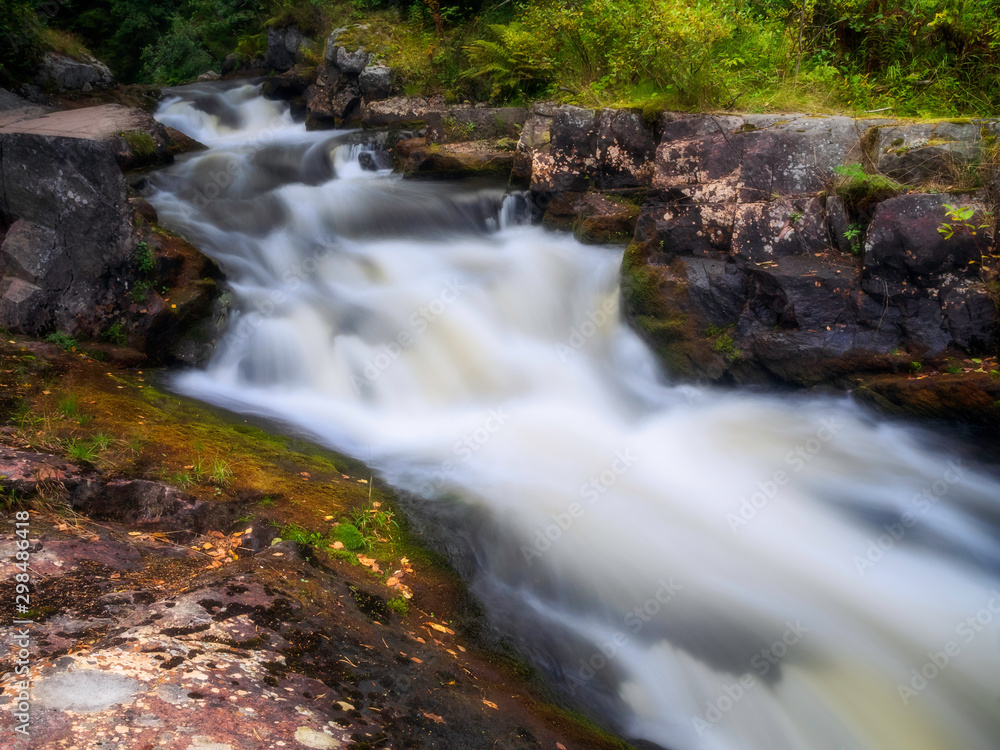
180 143
417 158
286 86
148 505
209 76
970 397
333 107
69 74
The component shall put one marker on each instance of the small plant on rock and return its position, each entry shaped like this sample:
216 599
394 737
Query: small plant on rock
853 235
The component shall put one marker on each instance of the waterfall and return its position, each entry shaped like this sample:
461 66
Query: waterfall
699 568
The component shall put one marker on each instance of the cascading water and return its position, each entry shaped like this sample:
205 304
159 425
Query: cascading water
703 569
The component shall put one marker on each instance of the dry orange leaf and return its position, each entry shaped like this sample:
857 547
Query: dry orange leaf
491 704
434 717
441 628
337 545
391 581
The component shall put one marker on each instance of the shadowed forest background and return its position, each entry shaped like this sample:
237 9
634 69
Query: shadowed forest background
917 57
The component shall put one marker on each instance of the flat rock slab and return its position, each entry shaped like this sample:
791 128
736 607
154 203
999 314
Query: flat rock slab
92 123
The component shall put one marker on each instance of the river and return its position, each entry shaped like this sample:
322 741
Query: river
697 568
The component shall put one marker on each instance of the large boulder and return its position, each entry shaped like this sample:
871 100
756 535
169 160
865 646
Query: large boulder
284 47
70 233
70 74
917 153
903 242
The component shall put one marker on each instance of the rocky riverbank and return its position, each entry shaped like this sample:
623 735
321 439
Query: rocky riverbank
195 581
779 250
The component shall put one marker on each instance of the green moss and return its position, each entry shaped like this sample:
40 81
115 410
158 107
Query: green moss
348 535
859 189
139 143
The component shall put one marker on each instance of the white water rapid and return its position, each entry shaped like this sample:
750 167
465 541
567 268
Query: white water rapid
701 569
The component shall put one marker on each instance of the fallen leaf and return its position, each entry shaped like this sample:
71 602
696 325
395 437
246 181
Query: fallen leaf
135 533
337 545
391 581
418 661
217 534
345 706
327 518
115 576
560 746
363 481
434 717
491 704
207 545
441 628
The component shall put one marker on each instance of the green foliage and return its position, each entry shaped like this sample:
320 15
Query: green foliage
859 190
960 220
513 62
20 43
916 367
63 340
220 472
178 56
854 234
295 533
139 143
115 334
143 257
80 450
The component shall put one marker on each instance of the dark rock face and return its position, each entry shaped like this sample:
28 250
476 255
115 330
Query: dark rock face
70 236
284 47
903 242
922 152
67 74
344 80
155 506
742 270
417 158
375 82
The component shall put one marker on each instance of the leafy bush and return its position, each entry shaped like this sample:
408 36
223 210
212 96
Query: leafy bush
514 62
20 46
177 57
